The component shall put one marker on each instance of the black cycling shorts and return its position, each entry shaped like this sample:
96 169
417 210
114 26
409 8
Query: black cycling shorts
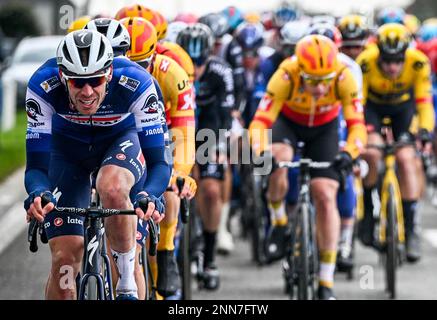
321 142
401 116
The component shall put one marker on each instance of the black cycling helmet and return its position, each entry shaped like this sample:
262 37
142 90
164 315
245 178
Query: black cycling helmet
197 40
217 22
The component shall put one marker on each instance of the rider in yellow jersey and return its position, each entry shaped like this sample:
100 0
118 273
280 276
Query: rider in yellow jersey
302 103
185 61
396 84
178 98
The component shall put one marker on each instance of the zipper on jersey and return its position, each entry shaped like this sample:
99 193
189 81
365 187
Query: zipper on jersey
312 112
92 134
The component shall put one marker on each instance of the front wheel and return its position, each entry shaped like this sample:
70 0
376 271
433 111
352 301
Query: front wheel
391 243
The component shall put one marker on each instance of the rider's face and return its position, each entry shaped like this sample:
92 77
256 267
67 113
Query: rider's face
392 69
88 98
352 51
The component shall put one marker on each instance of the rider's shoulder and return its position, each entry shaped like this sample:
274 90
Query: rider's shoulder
416 58
290 65
218 66
130 75
45 81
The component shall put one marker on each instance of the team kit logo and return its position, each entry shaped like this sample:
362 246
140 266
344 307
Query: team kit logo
33 109
151 105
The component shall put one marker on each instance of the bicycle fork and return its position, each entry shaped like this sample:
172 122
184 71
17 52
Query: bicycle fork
390 179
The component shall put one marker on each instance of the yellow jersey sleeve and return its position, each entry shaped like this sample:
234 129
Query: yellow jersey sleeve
423 91
353 113
179 107
278 91
185 60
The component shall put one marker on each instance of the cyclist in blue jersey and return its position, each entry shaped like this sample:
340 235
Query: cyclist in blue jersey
89 112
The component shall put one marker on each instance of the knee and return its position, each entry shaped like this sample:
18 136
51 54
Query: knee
405 158
324 195
63 261
282 152
115 189
211 193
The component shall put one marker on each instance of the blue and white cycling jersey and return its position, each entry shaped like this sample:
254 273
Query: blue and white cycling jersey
131 103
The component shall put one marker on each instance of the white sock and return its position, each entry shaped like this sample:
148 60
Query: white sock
326 273
346 234
126 265
224 217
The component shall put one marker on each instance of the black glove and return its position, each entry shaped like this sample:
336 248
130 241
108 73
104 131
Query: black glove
39 193
343 162
142 200
424 136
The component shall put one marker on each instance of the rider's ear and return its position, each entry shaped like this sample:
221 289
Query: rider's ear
110 73
62 78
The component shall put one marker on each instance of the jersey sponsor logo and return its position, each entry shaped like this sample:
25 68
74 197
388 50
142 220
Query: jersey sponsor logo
151 105
33 109
139 236
121 156
50 84
58 222
154 131
141 160
418 65
182 85
129 83
265 103
74 221
163 66
32 135
150 119
186 101
126 144
358 106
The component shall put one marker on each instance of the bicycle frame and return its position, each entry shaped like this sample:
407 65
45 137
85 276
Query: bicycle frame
391 179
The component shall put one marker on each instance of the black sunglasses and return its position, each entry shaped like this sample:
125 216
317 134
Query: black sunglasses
94 82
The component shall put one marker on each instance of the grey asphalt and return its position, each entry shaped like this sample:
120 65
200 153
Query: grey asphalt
23 274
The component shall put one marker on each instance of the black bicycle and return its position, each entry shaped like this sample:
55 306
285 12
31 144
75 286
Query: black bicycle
95 281
301 262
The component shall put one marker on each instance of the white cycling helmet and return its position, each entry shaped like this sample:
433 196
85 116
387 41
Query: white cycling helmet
173 30
112 29
293 31
84 53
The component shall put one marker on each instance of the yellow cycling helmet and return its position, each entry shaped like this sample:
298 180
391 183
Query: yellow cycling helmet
140 11
317 56
393 40
430 21
162 32
412 23
79 23
354 30
143 38
252 17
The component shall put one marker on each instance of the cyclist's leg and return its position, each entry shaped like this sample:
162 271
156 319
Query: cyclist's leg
346 202
72 188
120 170
409 181
225 242
373 157
209 202
283 139
324 185
168 280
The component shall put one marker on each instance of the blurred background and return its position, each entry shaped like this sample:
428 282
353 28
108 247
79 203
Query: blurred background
30 31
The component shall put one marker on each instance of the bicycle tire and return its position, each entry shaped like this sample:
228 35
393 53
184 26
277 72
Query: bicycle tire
391 244
258 225
303 265
186 264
